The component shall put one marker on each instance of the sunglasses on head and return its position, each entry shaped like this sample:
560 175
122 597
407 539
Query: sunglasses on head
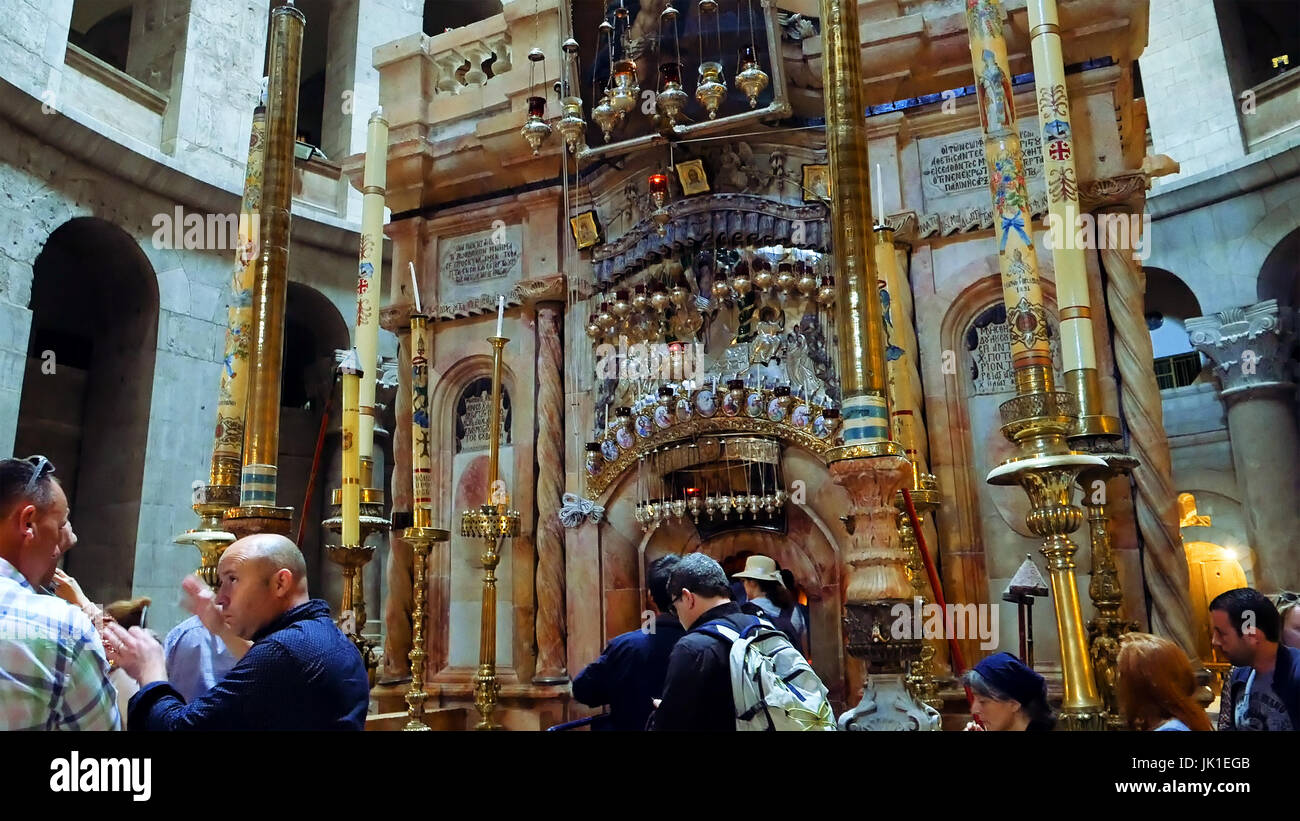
41 467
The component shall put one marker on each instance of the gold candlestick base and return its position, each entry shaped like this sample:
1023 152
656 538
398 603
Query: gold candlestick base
252 519
493 524
372 522
421 539
925 498
352 558
1038 422
1107 626
211 502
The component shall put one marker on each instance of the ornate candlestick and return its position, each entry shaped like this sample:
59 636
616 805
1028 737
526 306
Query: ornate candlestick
925 498
421 537
1040 417
353 554
221 492
257 511
493 523
1106 627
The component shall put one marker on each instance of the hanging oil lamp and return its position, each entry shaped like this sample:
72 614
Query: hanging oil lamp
659 196
671 98
572 125
603 112
826 293
712 90
750 79
624 86
536 129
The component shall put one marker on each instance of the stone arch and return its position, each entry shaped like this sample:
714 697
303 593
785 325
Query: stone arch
88 388
808 549
1169 303
1279 275
1252 253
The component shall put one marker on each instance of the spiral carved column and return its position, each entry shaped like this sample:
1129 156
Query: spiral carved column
399 571
1156 503
550 489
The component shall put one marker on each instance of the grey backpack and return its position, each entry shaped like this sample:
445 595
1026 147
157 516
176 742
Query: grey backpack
772 685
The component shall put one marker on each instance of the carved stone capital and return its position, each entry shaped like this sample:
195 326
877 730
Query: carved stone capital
1121 190
542 289
396 318
1249 346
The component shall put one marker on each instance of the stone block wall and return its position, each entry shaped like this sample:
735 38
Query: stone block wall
1190 103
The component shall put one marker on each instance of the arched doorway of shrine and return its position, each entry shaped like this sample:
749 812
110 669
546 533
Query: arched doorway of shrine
806 541
805 549
88 389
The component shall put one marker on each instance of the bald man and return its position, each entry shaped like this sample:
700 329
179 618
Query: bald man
295 670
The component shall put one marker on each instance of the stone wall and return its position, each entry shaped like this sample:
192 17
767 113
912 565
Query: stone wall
1190 103
44 189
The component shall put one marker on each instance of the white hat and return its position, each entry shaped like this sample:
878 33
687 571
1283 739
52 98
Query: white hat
760 568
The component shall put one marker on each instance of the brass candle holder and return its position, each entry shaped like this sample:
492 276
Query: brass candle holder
1039 421
1107 626
925 498
210 503
493 522
421 537
352 560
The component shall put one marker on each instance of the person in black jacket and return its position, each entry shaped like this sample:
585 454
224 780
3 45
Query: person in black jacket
697 690
629 674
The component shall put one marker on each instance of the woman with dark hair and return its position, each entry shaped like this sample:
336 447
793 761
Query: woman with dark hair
1008 696
1155 685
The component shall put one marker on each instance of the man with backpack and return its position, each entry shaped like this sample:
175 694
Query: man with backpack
733 671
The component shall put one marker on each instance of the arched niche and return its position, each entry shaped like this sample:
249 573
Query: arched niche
460 473
88 389
1169 303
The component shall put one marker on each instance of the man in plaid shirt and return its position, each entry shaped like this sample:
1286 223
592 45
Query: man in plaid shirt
53 673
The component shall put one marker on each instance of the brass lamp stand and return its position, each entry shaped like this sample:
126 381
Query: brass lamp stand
1039 421
493 522
925 498
421 537
352 559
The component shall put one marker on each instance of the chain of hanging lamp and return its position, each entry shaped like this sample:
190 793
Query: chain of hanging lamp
536 129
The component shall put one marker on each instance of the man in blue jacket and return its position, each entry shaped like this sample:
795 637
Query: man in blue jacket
295 670
1263 692
630 673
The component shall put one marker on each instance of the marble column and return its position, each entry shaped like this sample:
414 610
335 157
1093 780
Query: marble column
1250 348
550 488
399 570
1164 563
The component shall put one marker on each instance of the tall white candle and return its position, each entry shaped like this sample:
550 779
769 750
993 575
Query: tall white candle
415 286
880 197
501 316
